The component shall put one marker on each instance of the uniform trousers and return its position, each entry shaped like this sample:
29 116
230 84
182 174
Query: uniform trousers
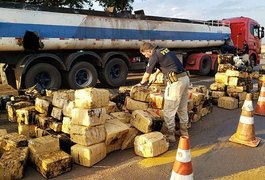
176 101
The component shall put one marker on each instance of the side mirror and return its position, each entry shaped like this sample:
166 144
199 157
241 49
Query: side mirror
261 34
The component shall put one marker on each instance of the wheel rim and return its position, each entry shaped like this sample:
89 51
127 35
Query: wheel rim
115 71
44 79
83 77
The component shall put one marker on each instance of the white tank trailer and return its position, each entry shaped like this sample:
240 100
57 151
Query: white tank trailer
50 46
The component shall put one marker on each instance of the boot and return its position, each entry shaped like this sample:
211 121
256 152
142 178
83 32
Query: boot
183 129
171 137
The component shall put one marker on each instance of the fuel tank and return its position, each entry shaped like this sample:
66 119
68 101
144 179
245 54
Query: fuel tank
31 27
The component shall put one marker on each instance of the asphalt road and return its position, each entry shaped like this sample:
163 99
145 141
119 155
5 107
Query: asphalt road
213 156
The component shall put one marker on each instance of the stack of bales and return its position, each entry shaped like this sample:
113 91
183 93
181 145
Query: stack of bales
17 102
52 111
37 119
43 105
231 85
88 126
199 104
142 104
21 109
60 101
88 119
143 97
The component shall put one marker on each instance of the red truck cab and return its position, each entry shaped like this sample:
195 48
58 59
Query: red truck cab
244 28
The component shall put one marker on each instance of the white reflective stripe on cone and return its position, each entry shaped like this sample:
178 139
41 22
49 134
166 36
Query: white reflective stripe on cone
246 120
262 89
261 99
175 176
248 105
183 155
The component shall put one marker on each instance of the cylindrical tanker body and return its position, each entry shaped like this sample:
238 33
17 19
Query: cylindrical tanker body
98 30
50 46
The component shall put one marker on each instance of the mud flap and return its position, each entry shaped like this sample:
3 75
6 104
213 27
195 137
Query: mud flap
3 78
7 75
18 75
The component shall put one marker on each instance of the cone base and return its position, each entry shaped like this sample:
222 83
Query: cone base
260 109
253 143
259 113
175 176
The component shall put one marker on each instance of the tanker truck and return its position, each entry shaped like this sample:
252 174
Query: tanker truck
62 47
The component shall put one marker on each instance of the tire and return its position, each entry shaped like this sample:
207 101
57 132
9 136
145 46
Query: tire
252 61
115 72
205 65
101 77
81 75
214 71
45 74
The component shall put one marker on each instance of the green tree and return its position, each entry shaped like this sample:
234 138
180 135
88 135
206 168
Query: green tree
58 3
120 5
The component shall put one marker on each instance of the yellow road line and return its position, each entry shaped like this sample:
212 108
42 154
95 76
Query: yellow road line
170 157
257 173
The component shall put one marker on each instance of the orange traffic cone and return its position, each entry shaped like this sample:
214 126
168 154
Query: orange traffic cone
260 108
182 168
245 133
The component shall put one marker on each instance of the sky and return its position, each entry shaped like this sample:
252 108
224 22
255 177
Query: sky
202 9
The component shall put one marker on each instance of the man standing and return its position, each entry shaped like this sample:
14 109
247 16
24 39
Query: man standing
176 92
245 55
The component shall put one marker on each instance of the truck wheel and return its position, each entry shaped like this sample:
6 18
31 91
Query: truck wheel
205 65
252 61
44 74
101 77
115 72
81 75
214 71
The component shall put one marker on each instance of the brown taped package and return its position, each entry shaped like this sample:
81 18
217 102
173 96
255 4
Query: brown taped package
52 164
143 120
228 102
87 135
26 115
88 155
12 163
150 144
43 105
124 117
132 105
89 117
116 131
139 93
61 97
12 107
89 98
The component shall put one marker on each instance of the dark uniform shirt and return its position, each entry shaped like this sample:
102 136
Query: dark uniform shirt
165 60
245 48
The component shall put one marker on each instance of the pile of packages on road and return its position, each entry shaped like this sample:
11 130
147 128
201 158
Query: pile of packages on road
232 84
83 126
